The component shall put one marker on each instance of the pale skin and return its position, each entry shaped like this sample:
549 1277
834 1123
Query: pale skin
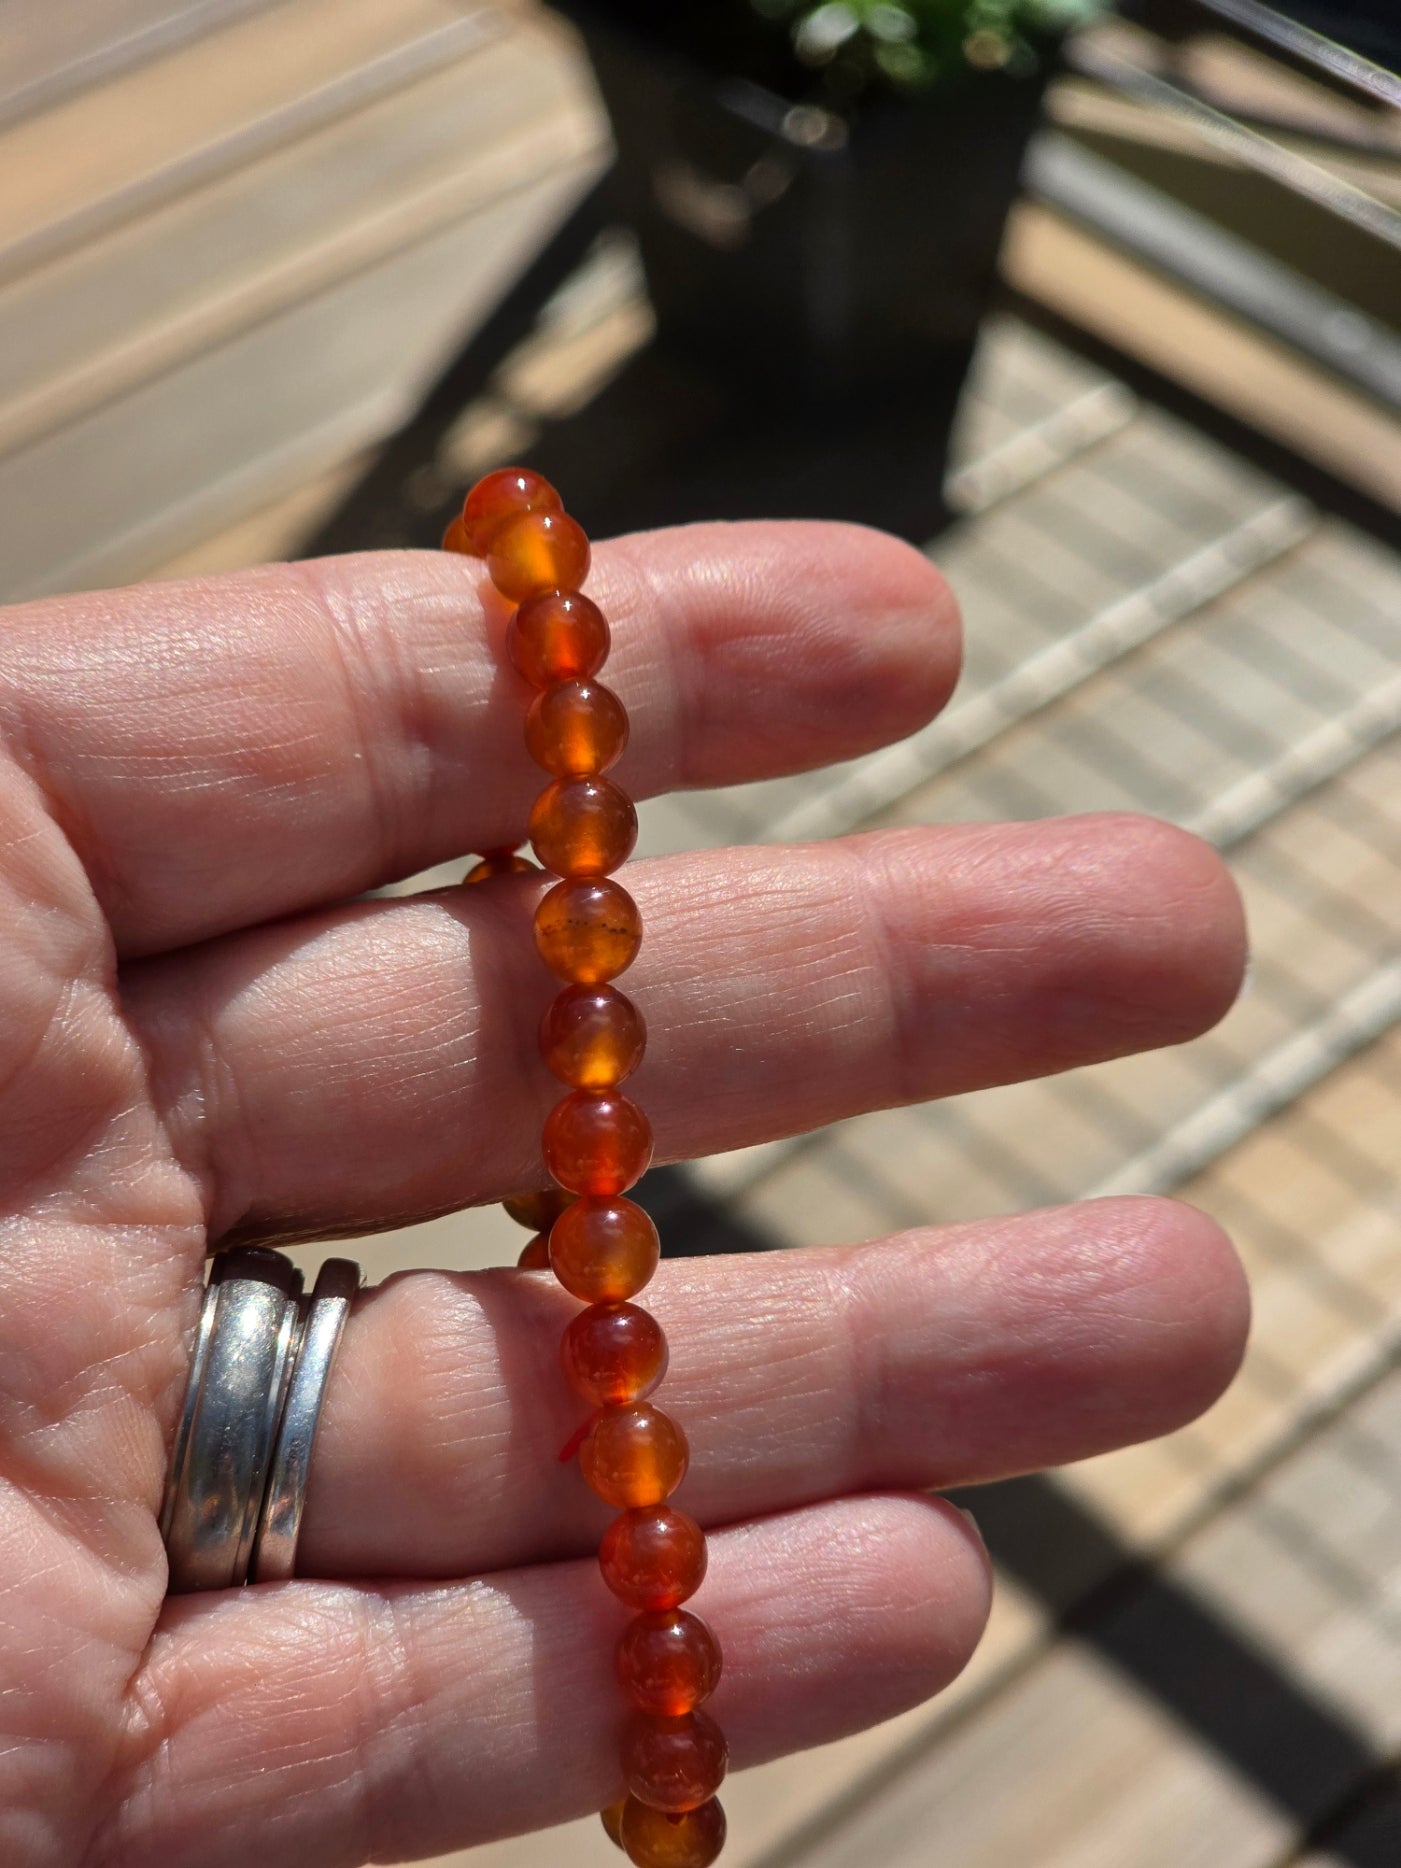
204 1039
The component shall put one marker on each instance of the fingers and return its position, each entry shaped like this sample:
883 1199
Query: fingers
313 1724
930 1359
379 1062
227 749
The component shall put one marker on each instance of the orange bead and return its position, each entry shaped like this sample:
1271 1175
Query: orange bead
633 1455
500 863
653 1558
456 539
576 728
592 1037
668 1839
674 1764
612 1820
537 552
500 497
539 1210
558 637
588 929
604 1251
668 1661
596 1142
536 1255
583 826
613 1354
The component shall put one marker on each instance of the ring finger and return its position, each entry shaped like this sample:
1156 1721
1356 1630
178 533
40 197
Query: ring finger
937 1357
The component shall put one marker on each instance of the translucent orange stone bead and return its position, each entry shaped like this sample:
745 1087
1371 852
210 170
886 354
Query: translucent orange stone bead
633 1455
612 1820
539 1210
576 728
596 1142
604 1251
500 863
653 1558
672 1839
558 637
588 929
674 1764
509 493
613 1354
592 1037
538 552
536 1255
456 539
668 1661
583 826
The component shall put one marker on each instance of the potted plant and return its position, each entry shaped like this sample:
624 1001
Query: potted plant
819 187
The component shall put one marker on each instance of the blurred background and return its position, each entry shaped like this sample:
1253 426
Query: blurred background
1099 305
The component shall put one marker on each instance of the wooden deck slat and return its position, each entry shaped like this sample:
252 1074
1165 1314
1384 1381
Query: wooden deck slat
174 283
208 104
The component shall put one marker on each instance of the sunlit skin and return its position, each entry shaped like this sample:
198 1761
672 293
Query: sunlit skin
211 1033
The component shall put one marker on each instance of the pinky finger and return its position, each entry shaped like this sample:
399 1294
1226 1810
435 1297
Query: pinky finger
320 1725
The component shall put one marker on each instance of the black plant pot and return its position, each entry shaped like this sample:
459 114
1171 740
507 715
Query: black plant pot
819 264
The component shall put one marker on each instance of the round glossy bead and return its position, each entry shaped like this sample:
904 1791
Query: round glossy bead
558 637
674 1764
500 497
583 826
592 1037
500 863
613 1354
668 1661
539 1210
667 1839
536 1254
588 929
633 1455
604 1251
653 1558
596 1142
576 728
456 539
612 1820
538 552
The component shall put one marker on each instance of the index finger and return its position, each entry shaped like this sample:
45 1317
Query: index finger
224 750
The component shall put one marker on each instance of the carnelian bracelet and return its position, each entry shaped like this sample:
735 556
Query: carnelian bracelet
603 1248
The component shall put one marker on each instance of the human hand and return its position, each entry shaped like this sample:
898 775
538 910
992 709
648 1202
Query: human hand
206 1039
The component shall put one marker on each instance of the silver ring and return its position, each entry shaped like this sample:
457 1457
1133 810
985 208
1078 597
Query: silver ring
274 1556
180 1451
229 1421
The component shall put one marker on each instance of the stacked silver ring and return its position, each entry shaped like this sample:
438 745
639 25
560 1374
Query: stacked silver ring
237 1485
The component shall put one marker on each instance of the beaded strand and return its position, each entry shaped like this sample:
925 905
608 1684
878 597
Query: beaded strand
602 1247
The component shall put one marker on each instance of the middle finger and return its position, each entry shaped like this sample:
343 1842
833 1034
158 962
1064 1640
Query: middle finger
378 1063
